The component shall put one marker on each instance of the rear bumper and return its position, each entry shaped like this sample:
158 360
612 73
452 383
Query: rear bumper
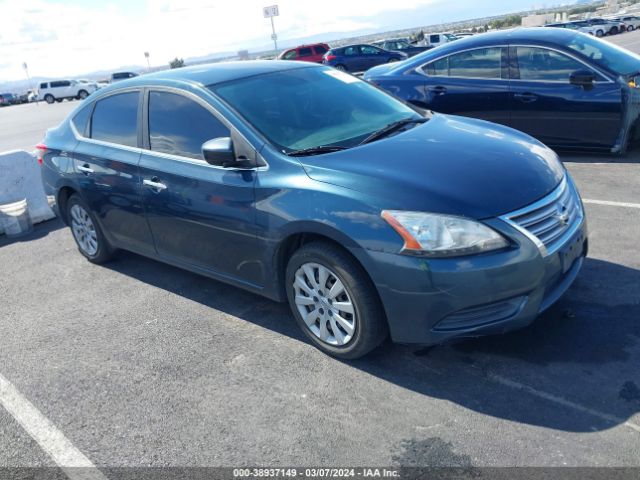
429 301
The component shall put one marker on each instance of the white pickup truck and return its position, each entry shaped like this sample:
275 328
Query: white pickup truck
436 39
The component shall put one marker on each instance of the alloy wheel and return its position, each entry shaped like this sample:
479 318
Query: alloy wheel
324 304
84 230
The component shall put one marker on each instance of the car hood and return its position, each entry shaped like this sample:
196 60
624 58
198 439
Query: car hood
451 165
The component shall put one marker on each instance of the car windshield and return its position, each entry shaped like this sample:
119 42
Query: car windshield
311 107
606 54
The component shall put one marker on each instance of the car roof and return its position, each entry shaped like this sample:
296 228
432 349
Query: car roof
213 73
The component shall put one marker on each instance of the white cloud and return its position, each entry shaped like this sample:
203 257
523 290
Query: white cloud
63 39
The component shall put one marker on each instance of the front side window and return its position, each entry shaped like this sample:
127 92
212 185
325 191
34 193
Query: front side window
434 38
546 65
350 51
115 119
179 125
292 111
479 63
606 54
290 55
305 52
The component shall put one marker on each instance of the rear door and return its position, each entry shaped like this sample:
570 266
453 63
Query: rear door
319 51
200 214
547 106
106 165
305 54
473 83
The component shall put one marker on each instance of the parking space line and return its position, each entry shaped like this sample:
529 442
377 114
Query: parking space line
562 401
611 204
74 464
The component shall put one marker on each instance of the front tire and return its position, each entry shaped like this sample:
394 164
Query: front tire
49 98
599 33
86 232
334 302
82 94
630 28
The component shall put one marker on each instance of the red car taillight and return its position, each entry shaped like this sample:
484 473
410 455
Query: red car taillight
41 149
328 58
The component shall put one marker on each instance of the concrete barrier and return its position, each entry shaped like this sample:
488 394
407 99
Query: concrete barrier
19 180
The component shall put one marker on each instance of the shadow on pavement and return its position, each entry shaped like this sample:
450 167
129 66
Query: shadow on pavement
569 351
41 230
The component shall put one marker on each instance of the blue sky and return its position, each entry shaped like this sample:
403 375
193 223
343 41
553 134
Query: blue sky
72 37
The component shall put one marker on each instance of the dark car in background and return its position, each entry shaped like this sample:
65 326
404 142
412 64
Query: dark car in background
306 53
401 45
358 58
353 210
117 76
565 88
7 99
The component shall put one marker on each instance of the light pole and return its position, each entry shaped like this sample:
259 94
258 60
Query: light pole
146 55
26 71
270 12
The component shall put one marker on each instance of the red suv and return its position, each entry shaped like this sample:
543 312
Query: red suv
306 53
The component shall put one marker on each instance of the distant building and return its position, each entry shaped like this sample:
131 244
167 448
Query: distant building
537 20
243 54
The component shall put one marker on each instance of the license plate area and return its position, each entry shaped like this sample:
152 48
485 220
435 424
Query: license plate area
570 252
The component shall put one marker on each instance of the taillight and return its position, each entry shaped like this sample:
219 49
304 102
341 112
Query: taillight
41 149
328 58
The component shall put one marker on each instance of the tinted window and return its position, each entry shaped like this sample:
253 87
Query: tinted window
479 63
351 51
543 64
369 50
44 85
320 50
434 38
292 110
305 52
81 118
115 119
60 84
606 54
179 126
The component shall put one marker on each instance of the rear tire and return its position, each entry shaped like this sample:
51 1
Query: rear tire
82 94
630 28
613 31
86 231
344 316
341 67
599 33
49 98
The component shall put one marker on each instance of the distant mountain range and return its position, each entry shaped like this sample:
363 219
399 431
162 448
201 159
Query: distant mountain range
266 49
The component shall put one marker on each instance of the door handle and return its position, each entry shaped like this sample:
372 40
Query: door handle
526 97
154 184
439 90
85 169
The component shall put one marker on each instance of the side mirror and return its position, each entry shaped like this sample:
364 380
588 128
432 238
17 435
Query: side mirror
582 78
220 152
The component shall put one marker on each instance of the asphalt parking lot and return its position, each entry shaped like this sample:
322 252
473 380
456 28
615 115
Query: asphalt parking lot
138 363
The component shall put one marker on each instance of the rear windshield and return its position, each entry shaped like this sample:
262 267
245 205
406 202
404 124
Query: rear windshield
311 107
606 54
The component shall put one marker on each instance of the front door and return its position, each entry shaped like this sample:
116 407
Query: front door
200 214
548 107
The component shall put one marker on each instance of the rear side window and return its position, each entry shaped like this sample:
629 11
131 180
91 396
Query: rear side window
320 50
547 65
179 125
305 52
434 38
479 63
115 119
81 119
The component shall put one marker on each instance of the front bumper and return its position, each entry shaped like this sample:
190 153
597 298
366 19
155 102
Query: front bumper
429 301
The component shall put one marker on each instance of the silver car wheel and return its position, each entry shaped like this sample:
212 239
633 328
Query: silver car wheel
324 304
83 230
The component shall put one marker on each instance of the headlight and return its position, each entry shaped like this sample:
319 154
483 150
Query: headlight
437 235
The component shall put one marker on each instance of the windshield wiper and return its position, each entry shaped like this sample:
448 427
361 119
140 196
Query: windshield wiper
315 150
392 127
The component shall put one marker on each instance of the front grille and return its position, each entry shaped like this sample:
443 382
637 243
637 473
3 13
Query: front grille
551 221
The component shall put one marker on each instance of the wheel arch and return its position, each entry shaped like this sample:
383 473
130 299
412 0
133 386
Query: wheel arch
64 193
